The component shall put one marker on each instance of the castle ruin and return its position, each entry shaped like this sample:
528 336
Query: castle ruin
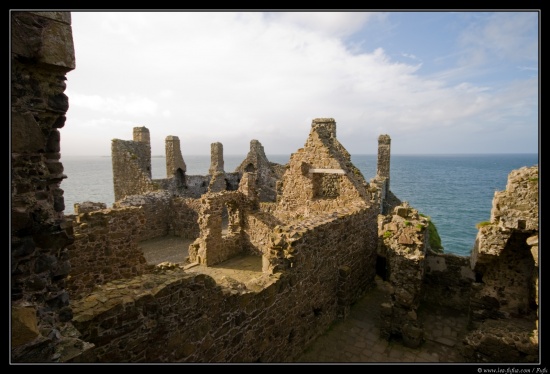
278 252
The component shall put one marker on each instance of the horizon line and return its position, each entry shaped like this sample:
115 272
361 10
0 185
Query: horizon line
352 154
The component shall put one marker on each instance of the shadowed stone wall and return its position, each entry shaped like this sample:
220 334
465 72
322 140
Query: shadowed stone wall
185 213
42 53
105 248
448 281
504 300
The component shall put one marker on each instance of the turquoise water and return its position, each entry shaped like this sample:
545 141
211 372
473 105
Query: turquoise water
456 191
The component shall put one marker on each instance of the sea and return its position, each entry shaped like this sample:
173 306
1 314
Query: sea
456 190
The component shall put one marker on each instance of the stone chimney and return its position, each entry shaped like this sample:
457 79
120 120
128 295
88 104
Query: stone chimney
141 134
383 166
174 159
325 127
216 158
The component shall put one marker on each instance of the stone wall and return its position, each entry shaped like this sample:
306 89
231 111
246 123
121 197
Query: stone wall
175 166
157 210
176 316
131 172
185 217
267 173
501 245
320 176
259 225
448 281
105 248
215 244
317 245
403 245
504 299
165 214
42 53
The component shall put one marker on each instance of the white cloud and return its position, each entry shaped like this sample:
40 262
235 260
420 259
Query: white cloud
333 24
233 77
131 105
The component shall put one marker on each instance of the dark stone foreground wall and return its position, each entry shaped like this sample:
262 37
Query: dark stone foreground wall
42 53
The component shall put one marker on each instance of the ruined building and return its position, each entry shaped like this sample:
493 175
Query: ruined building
276 254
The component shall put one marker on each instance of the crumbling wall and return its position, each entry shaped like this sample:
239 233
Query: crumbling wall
258 228
316 247
185 216
42 53
183 317
157 210
177 316
131 162
197 185
105 248
267 173
215 244
504 298
403 240
448 281
320 176
175 166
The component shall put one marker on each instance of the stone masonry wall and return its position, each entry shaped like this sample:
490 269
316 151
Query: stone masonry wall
258 228
502 244
403 242
320 176
185 216
504 299
317 249
42 53
174 159
174 316
105 248
131 173
214 246
267 173
448 281
157 210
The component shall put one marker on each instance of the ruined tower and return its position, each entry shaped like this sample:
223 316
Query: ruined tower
216 158
217 183
131 160
141 135
383 166
175 166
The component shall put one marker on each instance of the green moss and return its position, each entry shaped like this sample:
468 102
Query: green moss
482 224
387 234
435 239
419 226
407 223
534 179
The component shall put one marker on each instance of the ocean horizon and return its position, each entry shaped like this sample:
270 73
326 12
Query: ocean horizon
455 190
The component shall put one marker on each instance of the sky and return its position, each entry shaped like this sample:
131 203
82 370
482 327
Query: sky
437 82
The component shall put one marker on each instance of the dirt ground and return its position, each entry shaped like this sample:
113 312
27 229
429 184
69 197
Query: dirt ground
167 248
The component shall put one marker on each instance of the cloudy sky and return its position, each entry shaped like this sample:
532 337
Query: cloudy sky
436 82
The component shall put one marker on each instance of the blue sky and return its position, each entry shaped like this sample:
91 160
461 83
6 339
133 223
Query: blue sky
436 82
